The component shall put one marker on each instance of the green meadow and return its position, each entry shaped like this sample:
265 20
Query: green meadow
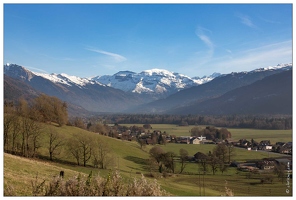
256 134
131 161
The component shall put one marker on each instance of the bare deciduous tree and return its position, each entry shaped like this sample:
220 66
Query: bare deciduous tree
157 153
85 143
169 161
7 128
231 152
102 154
141 142
16 130
74 149
214 163
51 109
221 152
30 135
54 143
183 158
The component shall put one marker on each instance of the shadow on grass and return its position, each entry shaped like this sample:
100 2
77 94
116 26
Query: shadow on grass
136 160
141 161
259 183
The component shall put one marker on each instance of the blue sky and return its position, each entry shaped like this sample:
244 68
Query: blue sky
193 39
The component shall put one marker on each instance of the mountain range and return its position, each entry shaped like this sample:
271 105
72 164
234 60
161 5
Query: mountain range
156 82
150 91
271 95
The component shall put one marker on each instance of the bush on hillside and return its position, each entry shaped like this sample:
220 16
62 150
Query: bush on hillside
113 185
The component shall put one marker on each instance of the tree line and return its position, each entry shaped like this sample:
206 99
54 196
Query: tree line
22 123
232 121
210 132
25 133
43 109
217 159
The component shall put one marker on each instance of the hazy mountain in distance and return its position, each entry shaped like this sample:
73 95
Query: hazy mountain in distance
215 88
271 95
90 95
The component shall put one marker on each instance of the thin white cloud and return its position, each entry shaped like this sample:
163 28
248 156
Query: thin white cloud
37 69
286 44
247 60
228 50
114 56
263 56
201 33
269 21
203 57
207 41
246 20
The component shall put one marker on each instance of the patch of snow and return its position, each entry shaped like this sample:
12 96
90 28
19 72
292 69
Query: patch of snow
52 77
141 89
160 89
279 66
161 72
66 79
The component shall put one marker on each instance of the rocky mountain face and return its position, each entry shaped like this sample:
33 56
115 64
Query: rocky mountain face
14 89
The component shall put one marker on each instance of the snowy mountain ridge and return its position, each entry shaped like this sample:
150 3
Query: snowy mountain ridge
67 79
152 81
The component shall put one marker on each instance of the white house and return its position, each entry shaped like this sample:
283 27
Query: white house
195 141
268 147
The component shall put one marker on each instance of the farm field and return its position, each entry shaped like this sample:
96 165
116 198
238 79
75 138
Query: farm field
257 134
131 161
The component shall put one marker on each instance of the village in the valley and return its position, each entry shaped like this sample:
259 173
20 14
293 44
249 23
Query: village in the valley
158 137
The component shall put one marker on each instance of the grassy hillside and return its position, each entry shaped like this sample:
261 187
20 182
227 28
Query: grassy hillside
131 161
121 150
181 185
19 173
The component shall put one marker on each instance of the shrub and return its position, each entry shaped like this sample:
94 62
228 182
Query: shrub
228 191
113 185
142 187
9 191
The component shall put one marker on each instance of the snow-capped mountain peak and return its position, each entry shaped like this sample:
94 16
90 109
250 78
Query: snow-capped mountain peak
159 72
152 81
65 79
278 66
